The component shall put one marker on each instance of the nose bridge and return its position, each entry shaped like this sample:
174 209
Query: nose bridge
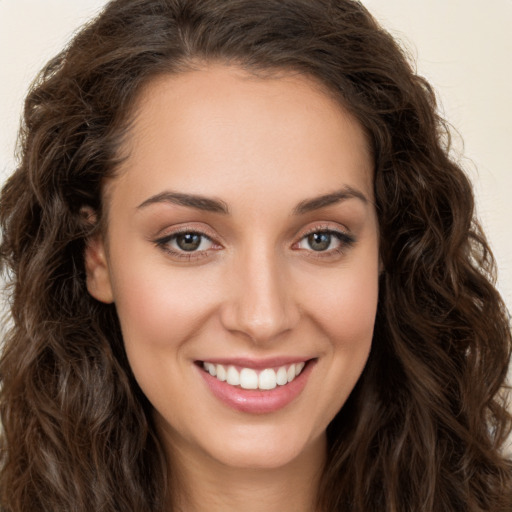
262 305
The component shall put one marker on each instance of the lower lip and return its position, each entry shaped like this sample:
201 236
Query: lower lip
257 401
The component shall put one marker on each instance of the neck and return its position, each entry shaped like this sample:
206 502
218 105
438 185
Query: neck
199 483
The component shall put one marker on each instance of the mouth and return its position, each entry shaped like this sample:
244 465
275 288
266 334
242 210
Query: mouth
256 387
251 378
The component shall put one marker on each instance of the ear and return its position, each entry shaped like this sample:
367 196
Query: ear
96 264
97 270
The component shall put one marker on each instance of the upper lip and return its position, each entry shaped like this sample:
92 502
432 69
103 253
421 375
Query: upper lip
257 364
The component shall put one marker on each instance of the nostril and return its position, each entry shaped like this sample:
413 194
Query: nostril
260 325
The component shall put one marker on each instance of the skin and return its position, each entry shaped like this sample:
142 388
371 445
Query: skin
256 288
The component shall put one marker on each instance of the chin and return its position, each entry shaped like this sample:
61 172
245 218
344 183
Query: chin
269 448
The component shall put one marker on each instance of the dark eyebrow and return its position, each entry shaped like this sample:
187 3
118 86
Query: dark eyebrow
190 200
217 206
309 205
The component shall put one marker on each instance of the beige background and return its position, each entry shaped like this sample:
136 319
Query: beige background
463 46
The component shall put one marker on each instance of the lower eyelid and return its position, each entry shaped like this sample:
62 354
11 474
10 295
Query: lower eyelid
183 255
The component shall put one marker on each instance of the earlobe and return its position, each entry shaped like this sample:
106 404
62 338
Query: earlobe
97 271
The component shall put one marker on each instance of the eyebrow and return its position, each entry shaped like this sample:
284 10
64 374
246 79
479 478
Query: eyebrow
191 200
217 206
309 205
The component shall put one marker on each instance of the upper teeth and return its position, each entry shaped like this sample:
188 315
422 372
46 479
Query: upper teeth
248 378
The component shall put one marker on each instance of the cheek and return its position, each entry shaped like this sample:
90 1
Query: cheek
348 320
345 311
345 306
160 306
162 312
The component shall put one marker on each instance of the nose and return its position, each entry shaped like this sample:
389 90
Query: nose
261 303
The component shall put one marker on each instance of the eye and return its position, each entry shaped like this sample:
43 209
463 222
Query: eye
186 244
190 242
318 241
325 241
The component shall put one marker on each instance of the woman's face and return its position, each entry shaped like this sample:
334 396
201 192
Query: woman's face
243 240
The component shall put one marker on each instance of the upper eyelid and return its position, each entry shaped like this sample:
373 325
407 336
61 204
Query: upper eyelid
169 234
324 228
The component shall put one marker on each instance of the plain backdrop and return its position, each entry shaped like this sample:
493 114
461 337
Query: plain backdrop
463 47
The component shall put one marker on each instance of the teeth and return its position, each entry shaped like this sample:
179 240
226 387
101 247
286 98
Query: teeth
282 376
247 378
221 373
211 369
267 379
232 376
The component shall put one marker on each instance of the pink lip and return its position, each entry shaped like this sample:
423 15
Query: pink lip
257 401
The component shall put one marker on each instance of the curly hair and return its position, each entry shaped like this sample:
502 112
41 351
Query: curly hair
425 426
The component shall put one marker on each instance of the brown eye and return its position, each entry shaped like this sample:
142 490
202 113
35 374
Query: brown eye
328 241
184 242
189 241
319 241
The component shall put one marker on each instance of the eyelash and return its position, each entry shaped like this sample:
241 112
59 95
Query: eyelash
346 241
163 243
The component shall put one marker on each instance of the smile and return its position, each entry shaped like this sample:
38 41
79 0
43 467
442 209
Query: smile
249 378
256 386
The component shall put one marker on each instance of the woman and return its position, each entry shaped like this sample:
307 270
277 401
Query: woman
246 275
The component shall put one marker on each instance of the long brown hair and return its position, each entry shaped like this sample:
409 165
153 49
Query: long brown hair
425 426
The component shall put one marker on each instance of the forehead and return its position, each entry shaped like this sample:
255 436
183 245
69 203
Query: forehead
220 130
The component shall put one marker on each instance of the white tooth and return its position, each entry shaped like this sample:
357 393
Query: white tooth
282 376
267 379
298 368
221 373
232 376
291 373
210 368
248 379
